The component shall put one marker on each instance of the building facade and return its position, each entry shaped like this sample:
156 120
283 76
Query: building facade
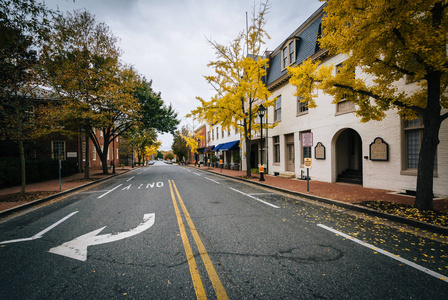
377 154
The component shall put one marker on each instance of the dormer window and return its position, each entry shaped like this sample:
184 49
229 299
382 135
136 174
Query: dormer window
289 53
292 52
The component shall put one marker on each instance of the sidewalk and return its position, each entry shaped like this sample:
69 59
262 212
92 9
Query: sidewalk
52 186
344 192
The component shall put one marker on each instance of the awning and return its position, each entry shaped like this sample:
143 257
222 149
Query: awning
217 148
230 146
206 149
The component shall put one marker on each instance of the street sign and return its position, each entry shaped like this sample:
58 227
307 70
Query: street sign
307 162
307 139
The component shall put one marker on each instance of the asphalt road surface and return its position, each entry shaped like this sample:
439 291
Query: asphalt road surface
171 232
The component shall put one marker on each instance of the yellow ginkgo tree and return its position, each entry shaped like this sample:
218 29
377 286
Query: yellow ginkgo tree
238 82
388 42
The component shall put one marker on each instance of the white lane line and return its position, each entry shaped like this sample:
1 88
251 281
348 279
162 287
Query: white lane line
212 180
126 188
40 234
267 203
261 194
130 178
109 191
140 186
197 174
402 260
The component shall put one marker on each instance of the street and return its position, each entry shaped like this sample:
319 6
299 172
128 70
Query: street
173 232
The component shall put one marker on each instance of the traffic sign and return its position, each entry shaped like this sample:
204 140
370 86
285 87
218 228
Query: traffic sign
307 162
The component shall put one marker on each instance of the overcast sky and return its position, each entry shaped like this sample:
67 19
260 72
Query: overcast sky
165 40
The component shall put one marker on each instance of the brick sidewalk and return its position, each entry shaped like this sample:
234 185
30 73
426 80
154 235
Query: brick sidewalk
67 183
349 193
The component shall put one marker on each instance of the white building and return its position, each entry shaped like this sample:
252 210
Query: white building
376 154
224 145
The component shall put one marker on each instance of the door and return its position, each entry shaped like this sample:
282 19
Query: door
290 159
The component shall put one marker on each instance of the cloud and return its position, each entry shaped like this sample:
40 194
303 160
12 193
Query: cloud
166 40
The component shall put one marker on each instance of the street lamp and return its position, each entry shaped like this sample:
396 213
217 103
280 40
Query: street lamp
261 110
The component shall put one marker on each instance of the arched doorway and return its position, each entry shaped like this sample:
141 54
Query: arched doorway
349 157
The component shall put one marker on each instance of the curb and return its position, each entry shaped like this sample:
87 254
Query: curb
25 206
406 221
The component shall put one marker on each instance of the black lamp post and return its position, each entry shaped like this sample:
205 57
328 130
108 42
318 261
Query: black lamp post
261 110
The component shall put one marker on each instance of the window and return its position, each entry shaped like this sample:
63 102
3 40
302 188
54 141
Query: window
228 132
302 107
319 36
222 133
58 148
118 156
94 152
413 133
289 54
306 151
108 158
344 106
285 57
292 52
213 134
217 133
276 140
278 109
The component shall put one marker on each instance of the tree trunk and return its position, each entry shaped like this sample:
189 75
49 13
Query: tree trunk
22 163
248 156
104 162
247 132
428 148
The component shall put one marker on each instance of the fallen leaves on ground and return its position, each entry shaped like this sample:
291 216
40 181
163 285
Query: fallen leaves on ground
408 211
28 197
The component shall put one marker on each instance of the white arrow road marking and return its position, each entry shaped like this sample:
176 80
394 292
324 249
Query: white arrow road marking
126 188
77 248
40 234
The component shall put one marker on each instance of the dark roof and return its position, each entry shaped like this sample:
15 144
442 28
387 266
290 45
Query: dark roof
305 37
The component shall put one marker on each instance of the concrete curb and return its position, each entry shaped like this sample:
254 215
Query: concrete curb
25 206
414 223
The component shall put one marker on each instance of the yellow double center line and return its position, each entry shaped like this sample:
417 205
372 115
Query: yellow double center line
195 276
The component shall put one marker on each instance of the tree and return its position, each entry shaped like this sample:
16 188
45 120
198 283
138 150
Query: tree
388 41
168 156
179 146
117 112
238 82
23 25
81 64
155 114
140 140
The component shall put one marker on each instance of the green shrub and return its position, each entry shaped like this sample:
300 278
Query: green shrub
256 171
